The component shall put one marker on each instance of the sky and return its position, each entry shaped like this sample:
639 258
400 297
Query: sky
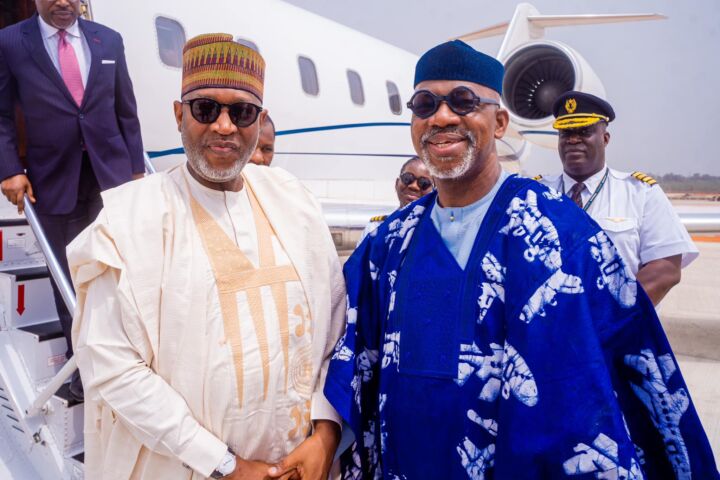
662 77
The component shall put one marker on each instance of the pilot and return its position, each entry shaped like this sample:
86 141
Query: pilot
413 182
265 149
630 207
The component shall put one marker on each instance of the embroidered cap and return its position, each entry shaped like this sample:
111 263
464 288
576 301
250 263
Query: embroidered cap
577 110
215 60
456 60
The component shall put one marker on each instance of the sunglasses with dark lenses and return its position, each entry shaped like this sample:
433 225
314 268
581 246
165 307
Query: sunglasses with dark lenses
206 110
461 100
423 183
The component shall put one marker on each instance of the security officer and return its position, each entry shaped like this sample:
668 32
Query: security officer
630 207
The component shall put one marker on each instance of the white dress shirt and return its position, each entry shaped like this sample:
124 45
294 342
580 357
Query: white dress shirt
638 218
75 37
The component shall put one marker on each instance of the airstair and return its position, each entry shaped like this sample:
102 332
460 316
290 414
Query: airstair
47 442
41 425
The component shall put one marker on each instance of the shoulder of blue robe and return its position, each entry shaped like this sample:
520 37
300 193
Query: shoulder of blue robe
596 348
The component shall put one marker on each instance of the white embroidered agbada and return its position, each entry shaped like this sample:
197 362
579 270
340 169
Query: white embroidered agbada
205 319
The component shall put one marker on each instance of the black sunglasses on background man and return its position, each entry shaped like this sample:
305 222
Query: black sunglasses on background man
423 183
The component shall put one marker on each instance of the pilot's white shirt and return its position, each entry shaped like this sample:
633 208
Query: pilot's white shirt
637 217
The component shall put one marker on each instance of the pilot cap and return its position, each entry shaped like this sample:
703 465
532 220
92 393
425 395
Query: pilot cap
577 110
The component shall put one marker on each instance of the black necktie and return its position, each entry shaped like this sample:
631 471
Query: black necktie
576 193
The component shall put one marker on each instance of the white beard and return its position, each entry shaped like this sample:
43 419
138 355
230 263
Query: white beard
206 172
458 170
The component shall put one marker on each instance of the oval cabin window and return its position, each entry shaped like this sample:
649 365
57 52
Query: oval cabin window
171 39
308 76
357 95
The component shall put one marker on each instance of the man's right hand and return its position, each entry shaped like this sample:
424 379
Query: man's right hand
15 187
252 470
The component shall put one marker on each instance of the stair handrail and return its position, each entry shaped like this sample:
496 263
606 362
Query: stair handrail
68 295
149 167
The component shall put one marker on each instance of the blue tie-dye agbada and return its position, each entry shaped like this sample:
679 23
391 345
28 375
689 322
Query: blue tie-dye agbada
542 360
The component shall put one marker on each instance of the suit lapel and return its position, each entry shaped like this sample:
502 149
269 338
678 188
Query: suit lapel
33 42
95 44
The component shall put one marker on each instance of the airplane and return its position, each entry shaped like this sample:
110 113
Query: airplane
337 97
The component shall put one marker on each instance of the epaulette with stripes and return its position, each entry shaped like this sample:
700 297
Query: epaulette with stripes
378 218
644 178
537 177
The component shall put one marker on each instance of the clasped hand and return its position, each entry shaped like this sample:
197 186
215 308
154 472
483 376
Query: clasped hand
311 460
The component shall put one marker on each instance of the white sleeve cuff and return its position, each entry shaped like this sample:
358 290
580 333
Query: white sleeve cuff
204 453
321 409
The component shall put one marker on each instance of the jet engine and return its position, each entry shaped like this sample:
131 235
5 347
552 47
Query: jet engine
536 74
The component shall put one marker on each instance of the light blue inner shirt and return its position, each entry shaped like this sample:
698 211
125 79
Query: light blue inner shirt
458 226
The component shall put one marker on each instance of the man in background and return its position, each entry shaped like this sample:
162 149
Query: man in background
265 150
413 182
70 78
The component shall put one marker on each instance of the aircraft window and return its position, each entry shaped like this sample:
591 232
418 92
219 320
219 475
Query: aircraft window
247 43
356 87
171 38
308 76
394 98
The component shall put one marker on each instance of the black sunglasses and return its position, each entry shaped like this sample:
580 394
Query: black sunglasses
423 183
207 110
461 100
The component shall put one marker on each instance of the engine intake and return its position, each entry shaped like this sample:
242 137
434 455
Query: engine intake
534 77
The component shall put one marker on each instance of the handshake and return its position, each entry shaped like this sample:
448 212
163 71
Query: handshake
311 460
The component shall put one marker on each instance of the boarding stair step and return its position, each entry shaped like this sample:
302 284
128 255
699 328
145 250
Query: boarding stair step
13 222
18 245
64 395
44 331
42 348
26 297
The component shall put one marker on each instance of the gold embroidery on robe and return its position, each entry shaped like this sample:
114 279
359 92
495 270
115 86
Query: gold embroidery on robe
234 273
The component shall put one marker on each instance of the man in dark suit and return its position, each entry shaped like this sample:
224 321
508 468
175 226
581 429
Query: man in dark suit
71 81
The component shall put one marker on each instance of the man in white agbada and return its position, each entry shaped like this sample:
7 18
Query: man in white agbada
210 298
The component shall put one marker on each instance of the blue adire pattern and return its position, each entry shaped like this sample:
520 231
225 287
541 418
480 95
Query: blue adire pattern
541 360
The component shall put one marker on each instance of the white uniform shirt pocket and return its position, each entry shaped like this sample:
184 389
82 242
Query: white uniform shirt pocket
623 231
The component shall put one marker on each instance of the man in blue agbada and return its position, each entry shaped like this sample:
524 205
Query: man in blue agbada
493 332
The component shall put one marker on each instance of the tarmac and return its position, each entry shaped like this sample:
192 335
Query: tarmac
690 315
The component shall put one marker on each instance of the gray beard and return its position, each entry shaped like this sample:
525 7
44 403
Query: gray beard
458 170
205 171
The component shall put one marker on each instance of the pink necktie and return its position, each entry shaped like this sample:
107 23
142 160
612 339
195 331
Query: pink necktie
69 68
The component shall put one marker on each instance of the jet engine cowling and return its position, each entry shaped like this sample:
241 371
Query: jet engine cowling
536 73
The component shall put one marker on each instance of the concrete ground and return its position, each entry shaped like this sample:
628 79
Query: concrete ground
690 315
